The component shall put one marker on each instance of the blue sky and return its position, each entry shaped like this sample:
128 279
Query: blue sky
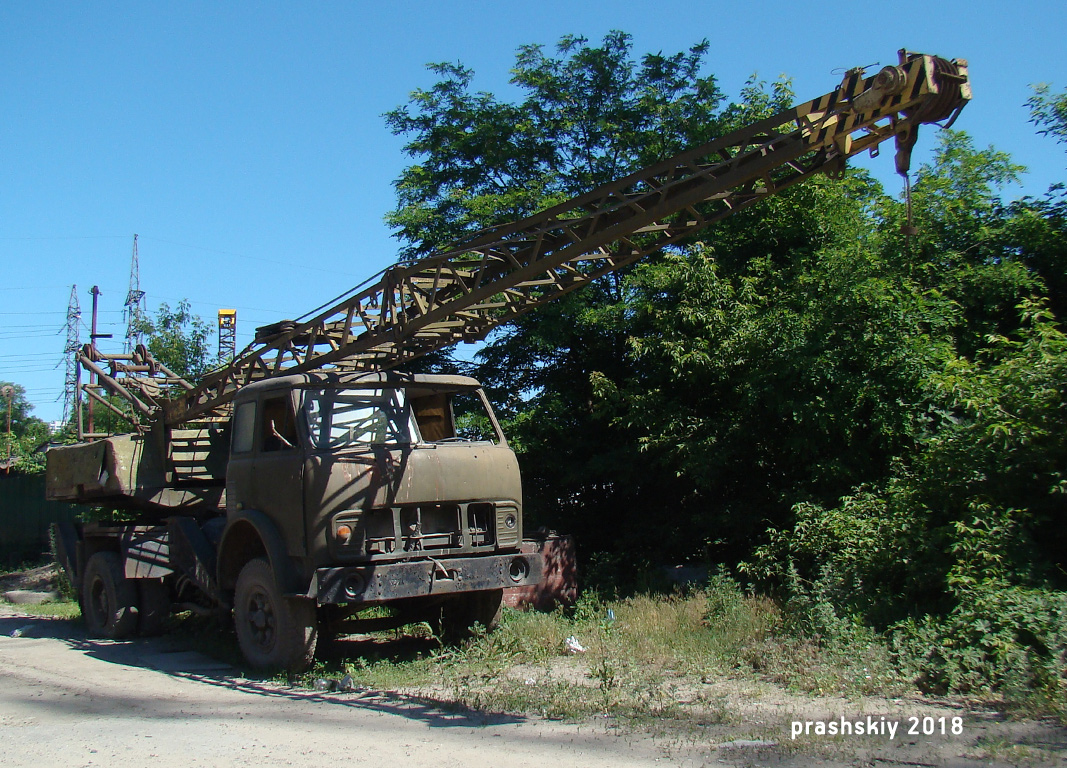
244 142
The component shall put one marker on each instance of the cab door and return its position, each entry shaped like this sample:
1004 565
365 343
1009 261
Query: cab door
277 474
239 486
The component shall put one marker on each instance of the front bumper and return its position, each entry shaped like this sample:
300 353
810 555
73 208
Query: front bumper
382 582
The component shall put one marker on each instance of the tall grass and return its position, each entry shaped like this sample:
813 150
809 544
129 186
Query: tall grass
647 656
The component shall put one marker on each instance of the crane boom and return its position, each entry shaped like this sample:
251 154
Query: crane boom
466 291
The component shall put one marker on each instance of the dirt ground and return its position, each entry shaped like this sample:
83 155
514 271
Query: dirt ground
40 579
69 700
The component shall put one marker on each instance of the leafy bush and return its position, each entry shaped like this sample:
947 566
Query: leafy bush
997 638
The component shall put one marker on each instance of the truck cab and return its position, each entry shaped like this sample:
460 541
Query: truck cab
365 489
339 492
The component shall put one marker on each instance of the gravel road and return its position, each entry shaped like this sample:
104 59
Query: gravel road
66 700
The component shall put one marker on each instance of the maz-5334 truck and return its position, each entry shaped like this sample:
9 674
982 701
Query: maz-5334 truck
309 479
340 489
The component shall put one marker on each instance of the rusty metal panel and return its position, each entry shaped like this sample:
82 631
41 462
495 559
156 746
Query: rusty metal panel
559 581
115 466
74 471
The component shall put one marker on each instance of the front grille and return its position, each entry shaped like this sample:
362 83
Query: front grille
379 536
431 527
427 528
481 524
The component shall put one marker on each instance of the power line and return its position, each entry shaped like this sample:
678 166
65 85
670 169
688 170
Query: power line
33 326
37 330
252 258
29 335
67 237
36 365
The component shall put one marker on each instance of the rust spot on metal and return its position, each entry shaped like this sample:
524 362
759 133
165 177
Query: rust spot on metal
559 577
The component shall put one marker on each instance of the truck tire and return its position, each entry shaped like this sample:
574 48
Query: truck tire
459 614
273 631
153 606
108 598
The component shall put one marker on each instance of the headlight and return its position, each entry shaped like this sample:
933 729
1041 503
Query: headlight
519 570
508 524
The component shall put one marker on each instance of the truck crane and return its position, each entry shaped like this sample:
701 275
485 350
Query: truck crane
310 478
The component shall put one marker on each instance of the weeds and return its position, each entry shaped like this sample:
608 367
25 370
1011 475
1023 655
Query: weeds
651 657
639 655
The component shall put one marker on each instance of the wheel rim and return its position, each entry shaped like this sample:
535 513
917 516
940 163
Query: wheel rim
98 601
262 622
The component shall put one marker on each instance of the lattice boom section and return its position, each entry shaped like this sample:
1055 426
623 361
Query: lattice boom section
464 293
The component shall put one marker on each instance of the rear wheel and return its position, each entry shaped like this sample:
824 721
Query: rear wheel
108 598
273 630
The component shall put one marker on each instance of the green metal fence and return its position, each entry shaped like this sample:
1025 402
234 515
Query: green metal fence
25 517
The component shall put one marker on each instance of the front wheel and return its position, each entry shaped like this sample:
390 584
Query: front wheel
274 631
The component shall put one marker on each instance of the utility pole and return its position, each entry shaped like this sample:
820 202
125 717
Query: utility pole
93 336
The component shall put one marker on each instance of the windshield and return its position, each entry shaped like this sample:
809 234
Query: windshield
342 418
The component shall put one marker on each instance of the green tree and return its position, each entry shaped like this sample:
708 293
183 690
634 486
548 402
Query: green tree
27 432
959 553
975 263
1049 111
780 363
588 114
787 373
21 420
180 340
958 549
965 248
1040 225
864 418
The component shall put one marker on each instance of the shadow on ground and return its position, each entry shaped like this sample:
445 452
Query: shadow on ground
177 654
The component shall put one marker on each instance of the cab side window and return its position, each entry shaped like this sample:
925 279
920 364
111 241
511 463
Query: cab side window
277 425
434 417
